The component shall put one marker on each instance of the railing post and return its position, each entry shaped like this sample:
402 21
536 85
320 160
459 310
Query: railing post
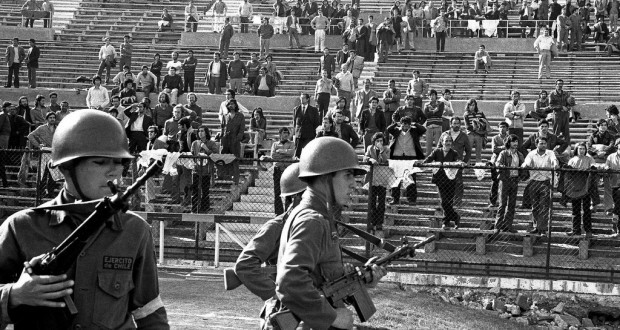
216 261
38 183
161 241
549 226
369 206
199 206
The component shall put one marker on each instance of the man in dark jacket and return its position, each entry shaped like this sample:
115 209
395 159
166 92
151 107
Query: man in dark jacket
227 34
342 129
14 57
305 121
172 85
265 84
405 145
217 75
328 63
32 61
137 127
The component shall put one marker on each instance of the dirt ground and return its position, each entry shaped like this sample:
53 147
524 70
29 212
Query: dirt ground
202 303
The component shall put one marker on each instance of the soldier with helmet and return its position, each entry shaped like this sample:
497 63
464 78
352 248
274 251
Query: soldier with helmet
310 251
114 281
263 247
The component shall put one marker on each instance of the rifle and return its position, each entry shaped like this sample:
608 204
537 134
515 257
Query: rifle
351 288
60 259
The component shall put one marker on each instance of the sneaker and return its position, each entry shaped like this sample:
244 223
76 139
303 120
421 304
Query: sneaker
445 227
573 233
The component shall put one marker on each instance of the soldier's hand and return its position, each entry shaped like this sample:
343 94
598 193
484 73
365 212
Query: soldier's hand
344 319
39 290
377 274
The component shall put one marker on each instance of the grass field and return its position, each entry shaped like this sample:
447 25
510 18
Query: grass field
202 303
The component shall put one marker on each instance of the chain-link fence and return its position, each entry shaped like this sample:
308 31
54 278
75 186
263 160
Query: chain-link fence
542 223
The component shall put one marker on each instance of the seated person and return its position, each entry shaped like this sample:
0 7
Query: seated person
601 31
482 60
613 44
326 128
165 24
128 93
601 142
541 107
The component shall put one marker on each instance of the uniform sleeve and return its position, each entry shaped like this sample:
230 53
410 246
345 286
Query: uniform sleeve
261 248
298 261
10 264
146 305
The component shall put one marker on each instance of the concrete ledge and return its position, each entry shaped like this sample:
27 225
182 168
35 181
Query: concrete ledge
38 34
605 289
251 39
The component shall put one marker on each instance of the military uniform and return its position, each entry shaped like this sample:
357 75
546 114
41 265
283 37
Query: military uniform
309 255
116 284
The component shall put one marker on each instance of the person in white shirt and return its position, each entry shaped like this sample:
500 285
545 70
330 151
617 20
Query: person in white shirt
448 111
97 97
514 112
107 53
345 85
175 63
540 185
543 45
147 81
245 13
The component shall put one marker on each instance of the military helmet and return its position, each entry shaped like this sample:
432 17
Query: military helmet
89 133
327 155
290 183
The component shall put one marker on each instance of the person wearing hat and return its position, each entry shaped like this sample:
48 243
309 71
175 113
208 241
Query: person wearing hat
97 96
114 282
263 247
236 72
107 54
309 253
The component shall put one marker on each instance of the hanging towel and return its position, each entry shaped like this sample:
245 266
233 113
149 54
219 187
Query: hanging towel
169 164
490 27
473 25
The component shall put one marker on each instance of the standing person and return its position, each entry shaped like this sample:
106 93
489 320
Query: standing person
563 27
189 71
172 85
346 86
343 55
265 84
137 127
265 32
320 24
372 39
32 62
543 45
410 110
147 81
613 163
578 183
417 87
515 112
405 145
245 13
302 254
575 38
282 153
343 130
156 67
107 55
433 111
47 7
42 137
540 183
363 35
448 188
372 121
97 96
258 124
476 124
220 11
323 92
355 64
191 17
559 104
377 153
5 136
305 121
126 51
292 27
326 128
327 62
201 175
508 182
162 111
391 100
225 36
440 31
409 30
29 5
236 72
253 67
497 145
362 98
216 75
462 146
233 128
14 55
87 157
448 110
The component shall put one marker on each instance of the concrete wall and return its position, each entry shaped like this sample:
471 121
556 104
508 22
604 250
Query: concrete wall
39 34
493 45
282 103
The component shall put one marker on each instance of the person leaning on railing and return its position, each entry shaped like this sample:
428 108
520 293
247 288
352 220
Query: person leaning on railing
578 189
201 175
377 154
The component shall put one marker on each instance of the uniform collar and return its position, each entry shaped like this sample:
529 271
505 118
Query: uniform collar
64 208
317 201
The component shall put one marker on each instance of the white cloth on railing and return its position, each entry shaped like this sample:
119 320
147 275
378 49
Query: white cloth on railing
147 155
473 25
480 172
402 169
222 158
433 27
490 27
450 172
169 164
188 163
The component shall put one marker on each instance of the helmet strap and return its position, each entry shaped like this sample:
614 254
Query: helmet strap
74 181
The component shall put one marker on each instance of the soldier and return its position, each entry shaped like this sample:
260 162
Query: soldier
309 246
263 247
114 281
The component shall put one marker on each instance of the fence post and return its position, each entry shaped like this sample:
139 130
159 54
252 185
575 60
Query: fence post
38 183
198 208
162 224
549 226
369 206
216 261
